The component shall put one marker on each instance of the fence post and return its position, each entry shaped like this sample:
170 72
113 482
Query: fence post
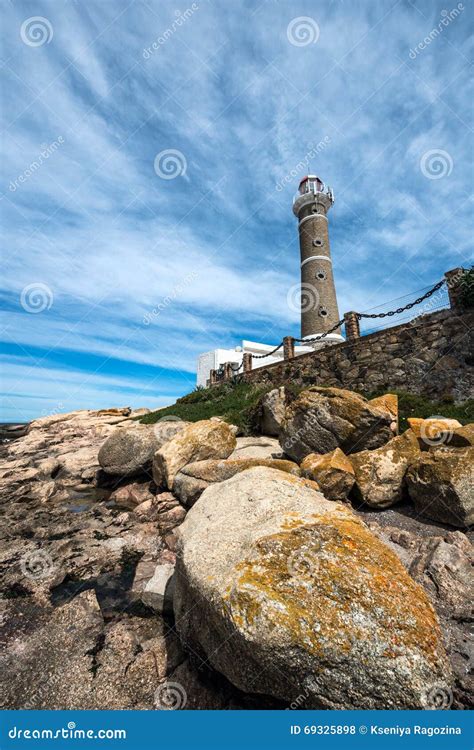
351 322
212 377
288 347
247 362
228 371
453 278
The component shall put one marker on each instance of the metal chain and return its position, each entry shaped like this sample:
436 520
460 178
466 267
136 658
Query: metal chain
261 356
407 307
339 323
326 333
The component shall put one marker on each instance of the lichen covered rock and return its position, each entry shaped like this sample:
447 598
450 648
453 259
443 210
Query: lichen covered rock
433 431
294 596
380 474
332 471
461 437
388 402
196 442
322 419
441 485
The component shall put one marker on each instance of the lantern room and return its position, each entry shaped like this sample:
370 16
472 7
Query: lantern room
311 184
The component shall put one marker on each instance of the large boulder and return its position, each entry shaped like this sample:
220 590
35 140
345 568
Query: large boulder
194 478
130 448
441 485
322 419
332 471
196 442
380 474
289 594
272 407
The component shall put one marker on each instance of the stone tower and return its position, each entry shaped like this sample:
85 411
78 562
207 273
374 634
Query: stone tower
319 311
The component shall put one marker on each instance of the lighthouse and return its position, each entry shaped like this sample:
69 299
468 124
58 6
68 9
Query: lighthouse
319 311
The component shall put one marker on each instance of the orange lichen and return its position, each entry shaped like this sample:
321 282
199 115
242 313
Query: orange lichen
346 570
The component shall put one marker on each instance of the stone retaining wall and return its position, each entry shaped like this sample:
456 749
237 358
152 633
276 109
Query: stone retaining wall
431 356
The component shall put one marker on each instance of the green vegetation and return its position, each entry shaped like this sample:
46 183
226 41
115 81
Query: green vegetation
238 403
418 406
466 289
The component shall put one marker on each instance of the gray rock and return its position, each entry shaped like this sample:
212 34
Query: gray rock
380 473
441 485
272 411
154 586
294 596
193 479
322 419
130 448
257 447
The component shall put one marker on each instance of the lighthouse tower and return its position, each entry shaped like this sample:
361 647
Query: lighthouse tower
319 311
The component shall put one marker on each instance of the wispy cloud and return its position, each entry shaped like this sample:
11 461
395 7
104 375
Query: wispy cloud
96 224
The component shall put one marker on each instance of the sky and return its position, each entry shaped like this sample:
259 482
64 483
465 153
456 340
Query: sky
150 156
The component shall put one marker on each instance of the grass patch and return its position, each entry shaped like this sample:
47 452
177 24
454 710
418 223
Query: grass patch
238 403
418 406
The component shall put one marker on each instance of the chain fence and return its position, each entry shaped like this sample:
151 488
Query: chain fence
431 299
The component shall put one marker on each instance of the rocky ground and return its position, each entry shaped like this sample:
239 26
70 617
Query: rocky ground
94 615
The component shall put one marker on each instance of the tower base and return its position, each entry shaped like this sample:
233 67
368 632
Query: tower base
331 338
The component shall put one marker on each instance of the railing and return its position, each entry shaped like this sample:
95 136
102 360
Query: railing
443 295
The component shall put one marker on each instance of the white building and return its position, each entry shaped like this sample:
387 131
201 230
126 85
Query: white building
214 359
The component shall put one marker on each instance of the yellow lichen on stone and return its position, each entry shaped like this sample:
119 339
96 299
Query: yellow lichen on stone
357 589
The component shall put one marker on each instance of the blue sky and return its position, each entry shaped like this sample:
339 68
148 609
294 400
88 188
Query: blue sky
97 238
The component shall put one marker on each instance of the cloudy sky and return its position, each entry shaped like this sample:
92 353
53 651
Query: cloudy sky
122 263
